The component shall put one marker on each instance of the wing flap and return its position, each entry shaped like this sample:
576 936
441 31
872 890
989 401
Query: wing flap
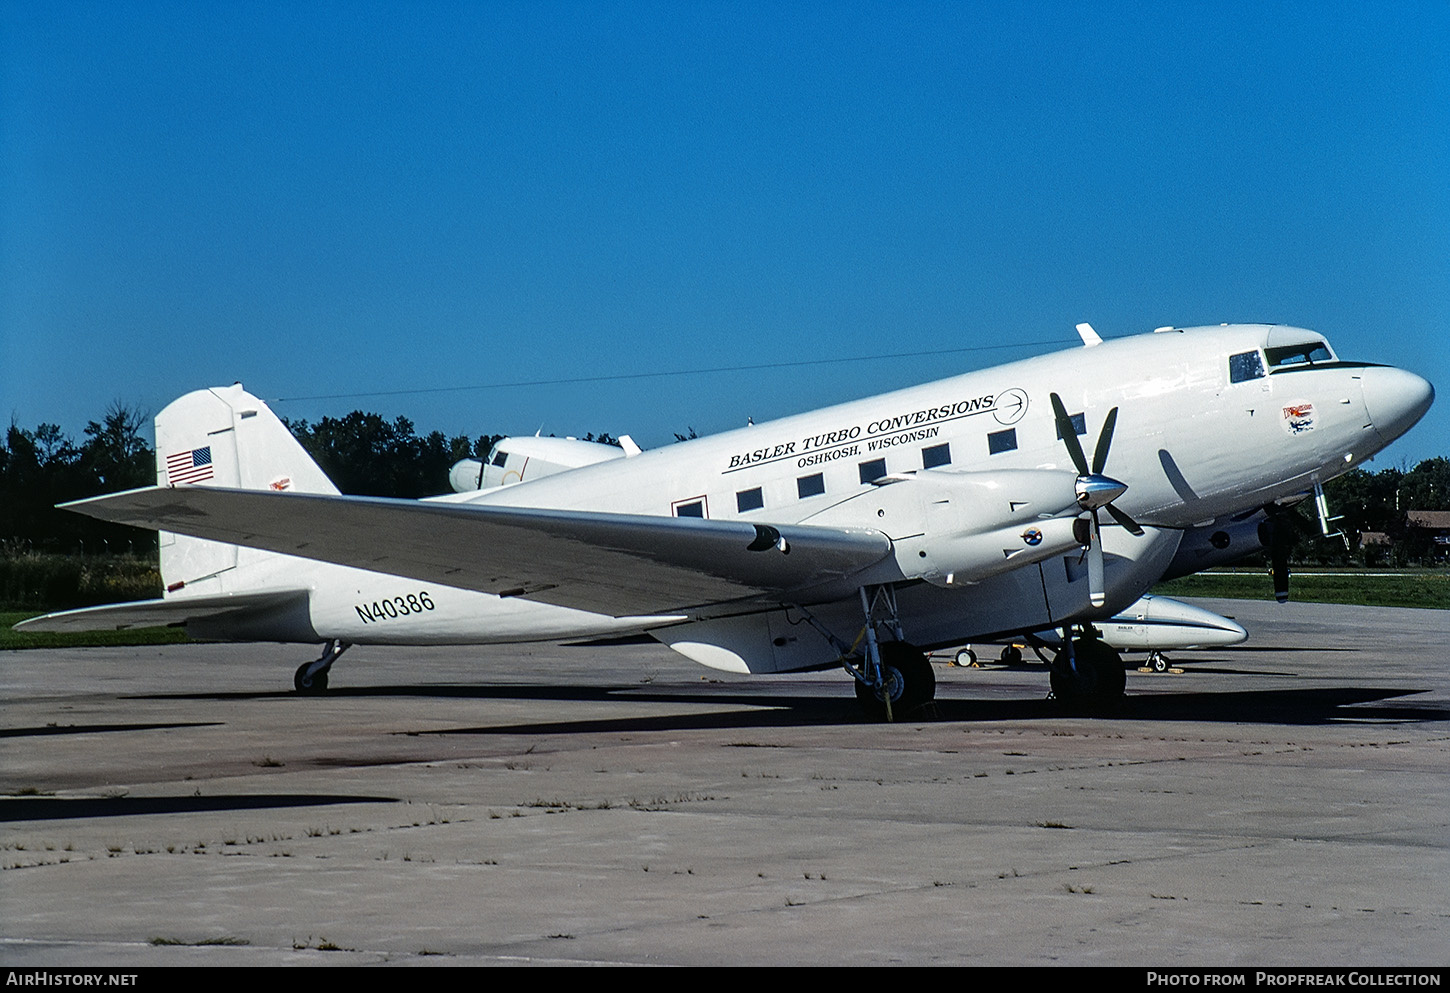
616 564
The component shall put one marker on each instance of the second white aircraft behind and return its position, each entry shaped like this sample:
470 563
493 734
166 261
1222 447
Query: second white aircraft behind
857 535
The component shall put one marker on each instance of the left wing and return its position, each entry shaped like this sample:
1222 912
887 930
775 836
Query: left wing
617 564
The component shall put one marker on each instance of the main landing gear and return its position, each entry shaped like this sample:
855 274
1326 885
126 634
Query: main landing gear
311 677
1087 673
907 683
893 678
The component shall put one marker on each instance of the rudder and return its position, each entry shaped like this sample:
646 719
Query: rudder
224 437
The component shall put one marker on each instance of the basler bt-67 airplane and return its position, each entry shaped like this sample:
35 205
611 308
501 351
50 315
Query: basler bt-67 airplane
858 535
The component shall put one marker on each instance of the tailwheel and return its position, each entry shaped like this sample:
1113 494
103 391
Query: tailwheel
311 677
313 683
906 675
1089 674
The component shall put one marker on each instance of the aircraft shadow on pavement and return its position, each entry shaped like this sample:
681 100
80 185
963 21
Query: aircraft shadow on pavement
763 708
61 729
62 808
1298 707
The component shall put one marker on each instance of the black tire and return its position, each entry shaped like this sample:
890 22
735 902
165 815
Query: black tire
1098 681
909 677
1112 677
965 658
317 684
1071 687
1012 655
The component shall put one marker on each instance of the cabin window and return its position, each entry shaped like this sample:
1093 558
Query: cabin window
749 500
1002 441
1244 367
499 456
936 455
694 507
1079 425
874 469
809 486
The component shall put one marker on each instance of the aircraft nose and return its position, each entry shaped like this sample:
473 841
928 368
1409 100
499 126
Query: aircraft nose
1395 399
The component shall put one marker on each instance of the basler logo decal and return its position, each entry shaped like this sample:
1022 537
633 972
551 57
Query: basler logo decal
881 432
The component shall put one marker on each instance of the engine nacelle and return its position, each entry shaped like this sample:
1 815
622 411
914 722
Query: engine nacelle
466 476
968 557
951 528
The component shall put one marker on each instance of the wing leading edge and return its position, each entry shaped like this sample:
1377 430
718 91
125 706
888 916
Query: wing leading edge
615 564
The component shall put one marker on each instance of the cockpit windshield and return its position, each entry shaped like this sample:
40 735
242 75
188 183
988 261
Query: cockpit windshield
1314 352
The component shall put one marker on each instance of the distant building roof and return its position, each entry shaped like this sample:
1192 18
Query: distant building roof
1429 518
1374 538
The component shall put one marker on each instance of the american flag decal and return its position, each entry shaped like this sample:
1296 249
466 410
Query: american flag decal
189 467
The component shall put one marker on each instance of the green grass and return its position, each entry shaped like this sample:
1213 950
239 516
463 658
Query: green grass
82 639
1390 588
54 581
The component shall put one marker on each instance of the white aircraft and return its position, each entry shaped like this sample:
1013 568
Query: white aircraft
1152 624
857 535
513 460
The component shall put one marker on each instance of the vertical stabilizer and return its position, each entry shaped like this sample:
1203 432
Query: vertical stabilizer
223 437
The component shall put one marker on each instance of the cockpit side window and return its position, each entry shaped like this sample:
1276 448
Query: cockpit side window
1245 366
499 457
1305 353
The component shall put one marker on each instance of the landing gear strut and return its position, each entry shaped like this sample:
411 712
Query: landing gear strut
892 677
1087 672
311 677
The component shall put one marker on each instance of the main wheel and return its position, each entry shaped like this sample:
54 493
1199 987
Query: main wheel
317 683
906 675
966 658
1097 680
1011 655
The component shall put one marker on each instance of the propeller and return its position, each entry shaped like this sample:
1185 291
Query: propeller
1095 491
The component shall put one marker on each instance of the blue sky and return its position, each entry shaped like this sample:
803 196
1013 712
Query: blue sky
349 200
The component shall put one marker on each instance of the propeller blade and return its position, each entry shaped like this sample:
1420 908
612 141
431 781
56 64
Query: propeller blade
1096 595
1094 490
1127 522
1105 439
1069 435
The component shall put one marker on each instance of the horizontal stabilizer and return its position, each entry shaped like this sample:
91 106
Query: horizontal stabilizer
159 613
618 564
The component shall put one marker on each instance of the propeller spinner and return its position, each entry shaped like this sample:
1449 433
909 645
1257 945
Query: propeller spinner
1095 491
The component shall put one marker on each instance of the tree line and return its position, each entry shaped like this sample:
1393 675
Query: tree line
367 455
363 453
